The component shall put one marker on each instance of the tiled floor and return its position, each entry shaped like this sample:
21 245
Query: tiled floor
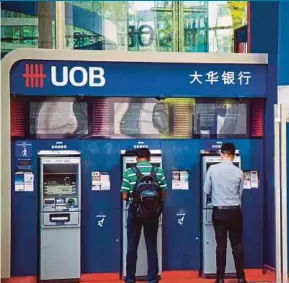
168 277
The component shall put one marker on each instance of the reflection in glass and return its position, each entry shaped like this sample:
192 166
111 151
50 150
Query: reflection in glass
220 40
224 17
189 26
195 21
32 25
102 26
150 27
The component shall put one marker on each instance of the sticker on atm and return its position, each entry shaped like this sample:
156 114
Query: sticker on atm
100 181
24 164
251 180
24 181
180 180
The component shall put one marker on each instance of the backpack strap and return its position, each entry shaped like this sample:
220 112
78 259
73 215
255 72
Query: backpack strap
137 172
154 172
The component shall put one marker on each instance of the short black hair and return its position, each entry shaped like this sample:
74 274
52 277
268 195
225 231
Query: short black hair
143 153
228 148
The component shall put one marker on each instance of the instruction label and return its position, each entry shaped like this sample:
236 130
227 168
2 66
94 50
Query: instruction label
100 181
24 181
251 180
180 180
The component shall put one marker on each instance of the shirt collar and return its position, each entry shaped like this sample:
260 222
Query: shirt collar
143 162
227 161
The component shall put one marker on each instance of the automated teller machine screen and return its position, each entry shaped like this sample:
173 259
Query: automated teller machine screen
128 161
60 186
210 164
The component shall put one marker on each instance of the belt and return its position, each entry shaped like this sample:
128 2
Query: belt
227 207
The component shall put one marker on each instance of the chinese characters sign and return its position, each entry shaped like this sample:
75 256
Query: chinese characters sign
224 77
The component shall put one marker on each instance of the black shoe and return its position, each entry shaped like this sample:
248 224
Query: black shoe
242 280
219 281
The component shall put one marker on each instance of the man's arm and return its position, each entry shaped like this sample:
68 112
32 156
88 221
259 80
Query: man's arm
125 185
241 186
163 182
208 182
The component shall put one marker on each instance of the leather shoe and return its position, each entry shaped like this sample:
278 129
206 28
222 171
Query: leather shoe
242 280
219 281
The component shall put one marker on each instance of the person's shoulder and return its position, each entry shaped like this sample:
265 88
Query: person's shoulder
239 170
128 171
159 169
215 167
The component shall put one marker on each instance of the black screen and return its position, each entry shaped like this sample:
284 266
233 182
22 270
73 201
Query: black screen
209 164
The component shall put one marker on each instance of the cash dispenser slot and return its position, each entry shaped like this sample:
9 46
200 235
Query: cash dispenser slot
59 217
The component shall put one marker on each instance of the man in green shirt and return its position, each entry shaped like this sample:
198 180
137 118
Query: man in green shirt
130 183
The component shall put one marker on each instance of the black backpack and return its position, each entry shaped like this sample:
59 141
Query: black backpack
147 200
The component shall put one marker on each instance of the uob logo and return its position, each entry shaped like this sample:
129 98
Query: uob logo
93 77
61 76
34 75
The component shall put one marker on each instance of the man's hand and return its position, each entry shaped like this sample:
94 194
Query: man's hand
124 196
163 194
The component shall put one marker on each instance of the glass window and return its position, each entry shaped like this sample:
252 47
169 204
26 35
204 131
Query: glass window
150 26
181 26
195 22
26 25
224 17
96 25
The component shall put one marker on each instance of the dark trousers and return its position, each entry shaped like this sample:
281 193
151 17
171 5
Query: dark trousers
134 227
224 221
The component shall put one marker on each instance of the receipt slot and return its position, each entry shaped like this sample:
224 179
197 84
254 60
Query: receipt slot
129 160
60 218
208 234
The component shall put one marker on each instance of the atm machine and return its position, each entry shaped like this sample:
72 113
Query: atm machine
129 160
208 235
60 212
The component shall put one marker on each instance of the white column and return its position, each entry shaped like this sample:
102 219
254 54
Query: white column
284 192
45 25
277 193
60 24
